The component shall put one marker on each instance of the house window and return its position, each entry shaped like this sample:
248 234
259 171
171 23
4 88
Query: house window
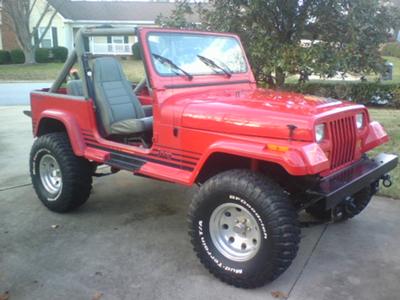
117 39
47 41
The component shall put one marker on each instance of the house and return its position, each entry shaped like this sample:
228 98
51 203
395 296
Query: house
74 14
1 39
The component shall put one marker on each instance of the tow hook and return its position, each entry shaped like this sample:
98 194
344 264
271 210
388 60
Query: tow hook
386 181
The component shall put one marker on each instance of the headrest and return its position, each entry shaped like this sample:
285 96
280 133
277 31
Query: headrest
107 69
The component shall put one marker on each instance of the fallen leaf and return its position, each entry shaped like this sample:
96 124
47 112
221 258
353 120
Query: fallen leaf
55 226
279 295
97 296
5 295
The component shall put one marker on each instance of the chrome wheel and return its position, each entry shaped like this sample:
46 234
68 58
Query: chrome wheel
235 232
50 175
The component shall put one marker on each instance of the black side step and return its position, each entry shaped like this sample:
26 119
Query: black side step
125 162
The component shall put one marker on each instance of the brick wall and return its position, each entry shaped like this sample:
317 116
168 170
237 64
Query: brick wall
8 38
1 40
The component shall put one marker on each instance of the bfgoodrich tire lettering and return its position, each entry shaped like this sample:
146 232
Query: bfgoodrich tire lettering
271 210
75 173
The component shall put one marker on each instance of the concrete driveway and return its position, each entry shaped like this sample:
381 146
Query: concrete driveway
130 242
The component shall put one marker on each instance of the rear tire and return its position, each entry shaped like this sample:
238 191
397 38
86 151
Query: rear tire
61 180
220 216
348 209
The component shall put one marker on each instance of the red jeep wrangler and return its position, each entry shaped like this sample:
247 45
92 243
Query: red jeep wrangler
259 156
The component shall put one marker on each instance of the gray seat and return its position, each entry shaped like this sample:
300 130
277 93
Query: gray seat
75 88
119 109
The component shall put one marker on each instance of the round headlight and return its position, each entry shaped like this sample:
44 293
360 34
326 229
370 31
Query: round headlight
360 120
320 132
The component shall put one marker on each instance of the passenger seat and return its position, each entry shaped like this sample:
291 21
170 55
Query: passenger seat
75 88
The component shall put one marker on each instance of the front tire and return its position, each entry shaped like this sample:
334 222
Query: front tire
61 180
243 228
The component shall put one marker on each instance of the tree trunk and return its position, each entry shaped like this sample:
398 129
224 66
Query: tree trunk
270 81
29 56
304 76
279 77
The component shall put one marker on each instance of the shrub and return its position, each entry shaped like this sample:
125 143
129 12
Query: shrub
47 55
43 55
60 54
136 51
17 56
5 57
391 49
368 93
396 98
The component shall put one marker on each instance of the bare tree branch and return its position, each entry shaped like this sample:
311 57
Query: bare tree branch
44 13
32 7
46 28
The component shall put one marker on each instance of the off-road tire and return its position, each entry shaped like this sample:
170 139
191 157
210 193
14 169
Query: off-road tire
76 173
276 217
342 212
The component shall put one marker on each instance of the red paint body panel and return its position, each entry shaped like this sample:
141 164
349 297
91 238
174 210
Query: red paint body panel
215 114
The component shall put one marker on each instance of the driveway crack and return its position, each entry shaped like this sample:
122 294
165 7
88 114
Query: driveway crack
7 188
308 260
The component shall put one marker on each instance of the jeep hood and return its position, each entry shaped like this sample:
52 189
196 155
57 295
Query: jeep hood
258 112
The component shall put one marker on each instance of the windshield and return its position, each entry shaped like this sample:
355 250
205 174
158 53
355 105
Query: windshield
195 54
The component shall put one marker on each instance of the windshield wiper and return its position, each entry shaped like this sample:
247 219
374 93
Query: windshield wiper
214 65
173 66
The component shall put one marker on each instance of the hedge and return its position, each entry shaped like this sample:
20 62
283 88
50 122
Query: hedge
136 51
42 55
17 56
5 57
391 49
60 54
368 93
47 55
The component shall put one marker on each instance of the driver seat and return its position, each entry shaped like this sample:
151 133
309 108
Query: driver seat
119 109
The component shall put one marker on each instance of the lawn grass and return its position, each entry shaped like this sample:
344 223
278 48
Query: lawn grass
390 119
45 72
48 72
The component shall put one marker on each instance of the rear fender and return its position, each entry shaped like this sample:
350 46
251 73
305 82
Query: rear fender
71 125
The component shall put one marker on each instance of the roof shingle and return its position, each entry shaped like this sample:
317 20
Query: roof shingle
113 10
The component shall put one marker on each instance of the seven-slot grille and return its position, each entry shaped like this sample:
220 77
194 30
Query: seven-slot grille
343 137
